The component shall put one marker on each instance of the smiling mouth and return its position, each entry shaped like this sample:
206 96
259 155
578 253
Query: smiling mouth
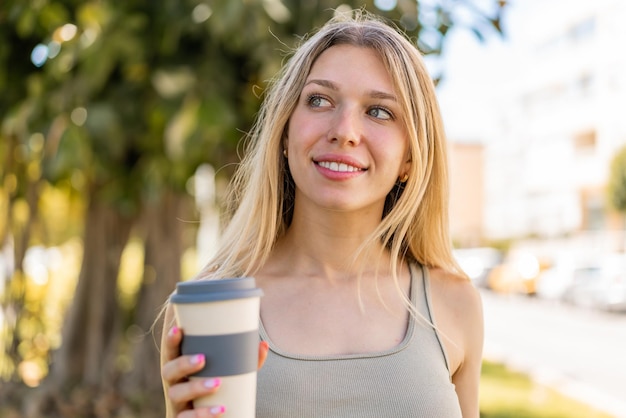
339 167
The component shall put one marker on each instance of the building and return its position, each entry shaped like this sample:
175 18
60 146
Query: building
559 124
467 197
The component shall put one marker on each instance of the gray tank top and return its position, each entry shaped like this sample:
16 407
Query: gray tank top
408 381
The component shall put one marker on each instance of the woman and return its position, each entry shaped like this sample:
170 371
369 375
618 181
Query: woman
340 213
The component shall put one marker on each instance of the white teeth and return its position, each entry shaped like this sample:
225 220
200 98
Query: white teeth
341 167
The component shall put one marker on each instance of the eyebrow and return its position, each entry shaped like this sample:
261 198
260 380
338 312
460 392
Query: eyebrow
376 94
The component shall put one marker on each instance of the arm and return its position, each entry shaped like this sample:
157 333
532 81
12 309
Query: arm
458 312
467 376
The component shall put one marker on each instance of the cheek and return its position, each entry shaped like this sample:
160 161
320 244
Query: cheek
304 130
295 124
394 149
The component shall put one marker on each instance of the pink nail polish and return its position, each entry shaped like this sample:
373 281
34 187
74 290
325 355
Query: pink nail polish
212 383
218 409
197 359
173 331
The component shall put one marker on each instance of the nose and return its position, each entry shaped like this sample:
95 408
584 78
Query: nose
346 128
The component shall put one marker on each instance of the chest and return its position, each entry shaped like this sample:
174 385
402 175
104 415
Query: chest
333 321
409 380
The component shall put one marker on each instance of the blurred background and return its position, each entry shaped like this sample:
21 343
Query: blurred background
536 125
121 123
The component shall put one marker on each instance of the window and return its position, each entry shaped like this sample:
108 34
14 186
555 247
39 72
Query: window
586 140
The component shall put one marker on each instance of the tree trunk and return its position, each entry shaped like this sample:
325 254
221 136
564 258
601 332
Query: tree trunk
85 363
17 236
163 252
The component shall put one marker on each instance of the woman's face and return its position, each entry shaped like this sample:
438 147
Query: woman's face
346 142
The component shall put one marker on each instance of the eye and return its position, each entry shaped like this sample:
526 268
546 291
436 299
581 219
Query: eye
379 112
315 100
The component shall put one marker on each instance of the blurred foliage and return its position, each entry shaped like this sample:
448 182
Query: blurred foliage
134 95
616 189
119 102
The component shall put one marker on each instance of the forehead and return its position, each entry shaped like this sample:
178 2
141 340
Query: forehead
352 65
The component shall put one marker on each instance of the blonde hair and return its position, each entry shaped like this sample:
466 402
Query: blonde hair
415 222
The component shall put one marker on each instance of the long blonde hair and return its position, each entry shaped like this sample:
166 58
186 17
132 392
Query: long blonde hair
415 222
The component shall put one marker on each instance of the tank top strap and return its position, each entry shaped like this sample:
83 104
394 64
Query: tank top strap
421 299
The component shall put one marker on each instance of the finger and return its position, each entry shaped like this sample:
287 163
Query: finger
184 392
264 348
209 412
172 343
178 369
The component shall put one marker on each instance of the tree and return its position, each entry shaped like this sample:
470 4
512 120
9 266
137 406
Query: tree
616 187
130 98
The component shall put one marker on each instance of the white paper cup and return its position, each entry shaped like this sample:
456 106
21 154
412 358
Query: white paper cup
220 319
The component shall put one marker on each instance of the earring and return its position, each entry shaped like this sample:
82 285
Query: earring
285 152
404 178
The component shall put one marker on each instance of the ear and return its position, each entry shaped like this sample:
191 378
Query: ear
405 168
285 137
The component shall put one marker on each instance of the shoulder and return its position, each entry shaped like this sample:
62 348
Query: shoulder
459 316
458 293
459 313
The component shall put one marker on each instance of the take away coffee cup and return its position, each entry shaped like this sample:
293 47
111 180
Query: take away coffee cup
220 319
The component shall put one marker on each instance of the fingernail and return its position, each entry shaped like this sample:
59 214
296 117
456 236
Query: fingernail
218 409
197 359
212 383
173 331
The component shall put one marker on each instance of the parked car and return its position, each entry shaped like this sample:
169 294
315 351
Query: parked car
599 284
553 281
477 262
518 273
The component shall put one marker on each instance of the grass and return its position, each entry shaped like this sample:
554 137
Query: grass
509 394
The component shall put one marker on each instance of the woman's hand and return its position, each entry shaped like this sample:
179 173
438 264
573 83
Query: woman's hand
181 391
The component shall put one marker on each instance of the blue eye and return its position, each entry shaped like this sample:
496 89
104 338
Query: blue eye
380 113
316 100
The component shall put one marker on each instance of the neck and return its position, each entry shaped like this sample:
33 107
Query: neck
325 246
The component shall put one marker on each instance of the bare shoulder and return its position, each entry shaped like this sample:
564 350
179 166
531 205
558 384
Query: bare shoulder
456 292
458 311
